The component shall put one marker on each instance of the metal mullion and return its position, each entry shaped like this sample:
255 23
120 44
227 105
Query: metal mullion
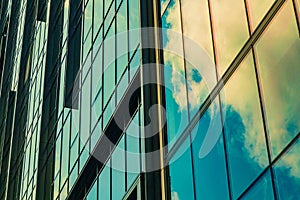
90 73
116 53
140 139
92 29
29 159
101 30
128 38
110 176
125 152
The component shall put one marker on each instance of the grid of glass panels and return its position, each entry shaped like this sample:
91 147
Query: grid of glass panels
102 78
255 153
33 127
123 168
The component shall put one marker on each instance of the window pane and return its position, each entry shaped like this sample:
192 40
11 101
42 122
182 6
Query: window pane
85 110
197 30
98 15
97 89
134 23
243 126
92 195
107 4
135 63
84 156
132 150
257 10
65 150
118 171
88 14
176 94
109 17
73 175
209 165
287 172
278 57
122 43
104 183
74 151
230 29
122 86
109 67
182 180
262 189
197 33
57 154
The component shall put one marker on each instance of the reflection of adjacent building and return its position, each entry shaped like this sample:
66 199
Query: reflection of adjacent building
75 105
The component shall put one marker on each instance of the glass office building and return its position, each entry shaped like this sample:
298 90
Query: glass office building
148 99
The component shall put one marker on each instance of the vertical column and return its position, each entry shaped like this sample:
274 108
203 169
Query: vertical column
3 16
8 69
7 145
42 10
50 103
73 57
153 97
3 50
22 98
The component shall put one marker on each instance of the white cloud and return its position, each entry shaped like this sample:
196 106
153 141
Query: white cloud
175 196
277 88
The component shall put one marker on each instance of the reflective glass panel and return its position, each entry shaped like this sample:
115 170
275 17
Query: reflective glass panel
176 93
209 157
278 53
262 189
257 10
243 126
182 180
287 173
230 30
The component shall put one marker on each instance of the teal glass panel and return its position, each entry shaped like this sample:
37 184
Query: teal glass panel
104 183
287 173
134 24
109 67
92 195
182 180
97 89
122 40
133 150
262 189
73 175
98 16
209 156
118 171
65 150
85 111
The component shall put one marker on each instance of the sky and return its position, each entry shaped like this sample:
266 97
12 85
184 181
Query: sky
278 70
